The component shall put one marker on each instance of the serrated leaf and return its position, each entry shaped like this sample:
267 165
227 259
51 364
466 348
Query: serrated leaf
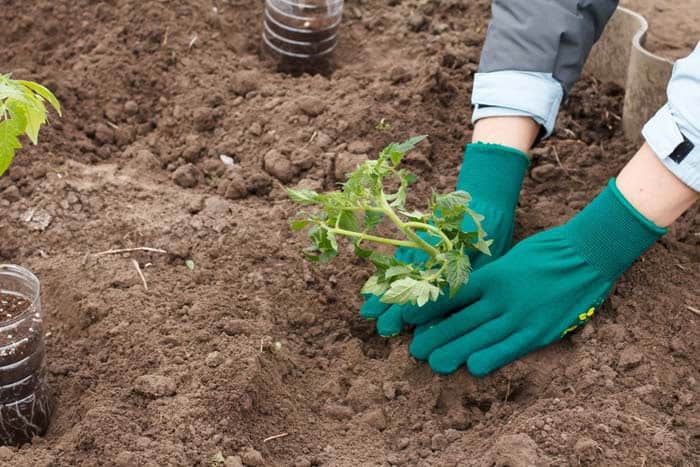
394 271
409 290
451 202
348 221
303 196
44 93
382 262
374 286
410 143
457 270
373 219
8 144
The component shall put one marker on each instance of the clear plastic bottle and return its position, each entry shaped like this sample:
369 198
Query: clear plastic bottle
302 34
25 401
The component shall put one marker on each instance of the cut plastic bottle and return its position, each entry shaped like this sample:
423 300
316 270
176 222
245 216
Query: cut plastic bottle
25 401
302 34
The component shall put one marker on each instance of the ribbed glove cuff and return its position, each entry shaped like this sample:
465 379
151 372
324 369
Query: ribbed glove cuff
610 233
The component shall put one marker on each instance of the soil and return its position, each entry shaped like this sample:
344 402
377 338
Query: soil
11 306
674 25
178 135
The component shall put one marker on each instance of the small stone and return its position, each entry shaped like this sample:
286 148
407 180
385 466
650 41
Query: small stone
338 412
360 147
311 105
243 82
233 461
279 166
251 457
255 129
399 75
131 107
155 386
187 176
195 205
214 359
544 172
235 187
403 443
438 442
375 418
389 390
417 22
630 357
346 162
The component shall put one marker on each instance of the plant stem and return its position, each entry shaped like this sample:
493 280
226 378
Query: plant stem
432 228
422 244
371 238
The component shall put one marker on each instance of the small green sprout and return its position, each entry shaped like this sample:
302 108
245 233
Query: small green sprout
22 112
190 264
363 203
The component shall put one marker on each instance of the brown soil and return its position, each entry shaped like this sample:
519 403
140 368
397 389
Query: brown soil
674 25
183 371
11 306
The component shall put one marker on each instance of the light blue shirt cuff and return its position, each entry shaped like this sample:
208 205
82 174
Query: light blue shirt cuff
517 93
676 126
664 136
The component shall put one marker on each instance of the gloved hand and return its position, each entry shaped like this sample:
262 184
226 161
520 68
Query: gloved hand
492 175
545 287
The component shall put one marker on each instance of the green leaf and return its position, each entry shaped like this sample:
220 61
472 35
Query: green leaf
8 144
409 290
383 262
374 286
190 264
43 92
303 196
457 270
394 271
361 252
299 224
451 202
348 221
332 240
409 144
373 219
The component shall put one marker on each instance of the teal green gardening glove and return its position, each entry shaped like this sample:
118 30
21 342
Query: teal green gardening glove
545 287
492 175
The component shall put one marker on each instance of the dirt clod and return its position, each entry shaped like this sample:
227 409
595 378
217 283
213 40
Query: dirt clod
279 166
251 457
187 176
155 386
630 357
346 162
311 106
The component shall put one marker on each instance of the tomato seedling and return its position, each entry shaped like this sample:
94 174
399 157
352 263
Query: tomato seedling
365 201
22 112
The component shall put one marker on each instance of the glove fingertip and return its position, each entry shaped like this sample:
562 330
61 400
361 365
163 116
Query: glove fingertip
441 364
390 323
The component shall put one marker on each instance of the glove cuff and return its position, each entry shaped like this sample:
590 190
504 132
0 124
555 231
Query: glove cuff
493 174
610 233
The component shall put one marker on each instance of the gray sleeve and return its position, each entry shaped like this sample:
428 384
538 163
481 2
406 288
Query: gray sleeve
545 36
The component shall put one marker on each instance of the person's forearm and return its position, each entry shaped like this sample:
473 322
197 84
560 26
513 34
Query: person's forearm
514 132
653 190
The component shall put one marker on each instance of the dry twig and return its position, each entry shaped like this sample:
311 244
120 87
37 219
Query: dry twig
270 438
138 269
693 309
129 250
